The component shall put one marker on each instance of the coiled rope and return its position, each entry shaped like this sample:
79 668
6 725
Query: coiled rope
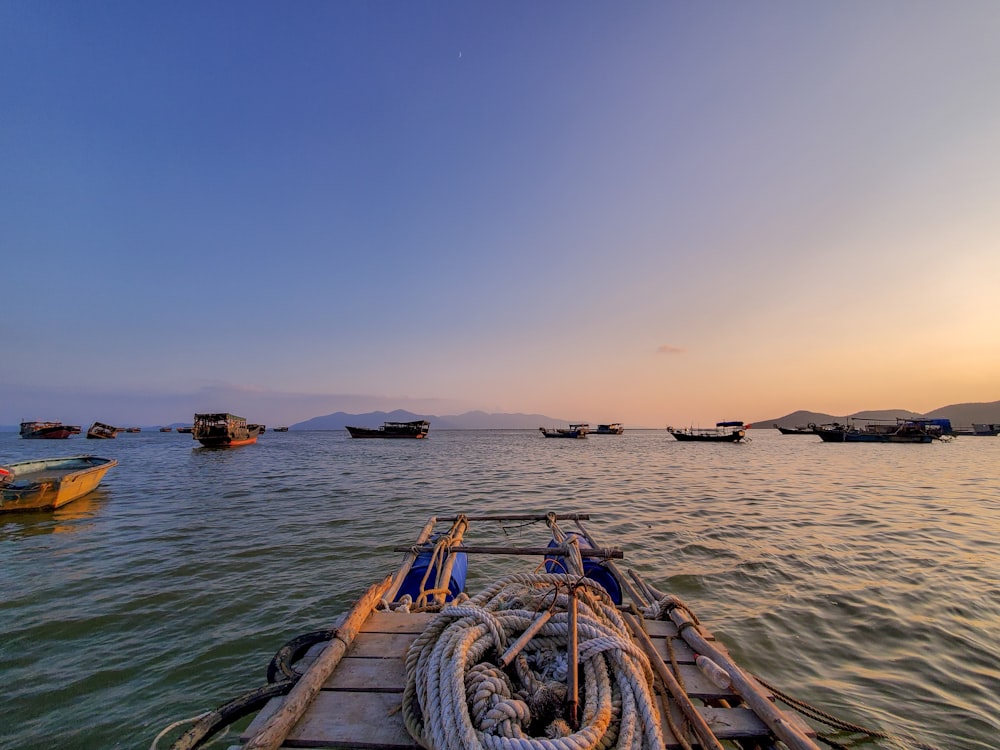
457 696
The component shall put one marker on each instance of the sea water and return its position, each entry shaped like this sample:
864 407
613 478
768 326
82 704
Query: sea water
861 578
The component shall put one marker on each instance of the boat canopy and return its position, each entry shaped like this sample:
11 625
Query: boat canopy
729 424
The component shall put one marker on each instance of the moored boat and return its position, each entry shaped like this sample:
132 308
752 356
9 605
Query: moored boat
615 428
185 430
101 431
392 430
723 432
279 429
562 652
980 429
800 430
48 430
223 430
900 430
575 431
47 484
166 429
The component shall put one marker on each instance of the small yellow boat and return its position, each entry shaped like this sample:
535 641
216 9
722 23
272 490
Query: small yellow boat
49 483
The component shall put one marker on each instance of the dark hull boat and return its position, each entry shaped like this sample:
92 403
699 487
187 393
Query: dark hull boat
883 431
575 431
609 429
393 430
223 431
796 430
723 432
101 431
48 430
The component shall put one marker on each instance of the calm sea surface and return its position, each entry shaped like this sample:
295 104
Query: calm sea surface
864 579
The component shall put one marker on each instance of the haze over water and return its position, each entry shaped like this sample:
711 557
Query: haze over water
864 579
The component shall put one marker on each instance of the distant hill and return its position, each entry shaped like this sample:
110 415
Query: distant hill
472 420
961 415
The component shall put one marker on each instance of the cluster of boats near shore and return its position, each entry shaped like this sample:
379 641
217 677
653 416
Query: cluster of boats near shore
900 430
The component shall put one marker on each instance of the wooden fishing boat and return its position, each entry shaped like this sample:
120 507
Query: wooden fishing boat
615 428
575 431
47 484
101 431
48 430
902 430
166 429
565 652
185 430
223 430
801 430
393 430
279 429
723 432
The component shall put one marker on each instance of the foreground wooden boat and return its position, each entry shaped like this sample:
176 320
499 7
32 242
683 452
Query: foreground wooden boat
393 430
47 484
564 653
101 431
723 432
223 430
48 430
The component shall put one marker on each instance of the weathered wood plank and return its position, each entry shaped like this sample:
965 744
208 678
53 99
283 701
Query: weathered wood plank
342 720
374 721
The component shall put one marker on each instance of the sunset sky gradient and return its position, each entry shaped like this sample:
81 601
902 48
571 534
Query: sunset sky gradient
649 212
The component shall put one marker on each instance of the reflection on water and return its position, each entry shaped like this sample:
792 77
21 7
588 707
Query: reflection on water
862 578
75 516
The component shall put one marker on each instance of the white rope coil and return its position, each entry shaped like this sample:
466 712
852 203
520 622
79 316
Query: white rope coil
457 697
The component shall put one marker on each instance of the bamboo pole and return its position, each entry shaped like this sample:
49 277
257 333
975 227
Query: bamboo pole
528 517
634 593
706 736
607 553
276 729
409 559
748 689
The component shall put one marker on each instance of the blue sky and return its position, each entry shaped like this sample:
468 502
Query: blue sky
644 212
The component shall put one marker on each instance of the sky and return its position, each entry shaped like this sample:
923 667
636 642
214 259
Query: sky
645 212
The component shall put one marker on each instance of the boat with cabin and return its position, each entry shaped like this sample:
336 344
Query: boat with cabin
723 432
575 431
49 483
900 430
393 430
562 650
980 429
279 429
48 430
185 430
101 431
223 430
615 428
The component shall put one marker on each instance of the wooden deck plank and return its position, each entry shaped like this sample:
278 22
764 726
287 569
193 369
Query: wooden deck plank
359 706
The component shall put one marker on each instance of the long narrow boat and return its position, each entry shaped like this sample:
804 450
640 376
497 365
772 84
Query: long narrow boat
615 428
564 652
393 430
575 431
806 430
723 432
902 430
223 430
48 430
101 431
47 484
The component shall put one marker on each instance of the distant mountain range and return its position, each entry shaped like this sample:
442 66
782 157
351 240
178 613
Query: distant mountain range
470 420
961 415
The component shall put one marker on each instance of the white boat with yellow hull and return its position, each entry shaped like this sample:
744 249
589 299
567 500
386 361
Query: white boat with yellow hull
50 483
